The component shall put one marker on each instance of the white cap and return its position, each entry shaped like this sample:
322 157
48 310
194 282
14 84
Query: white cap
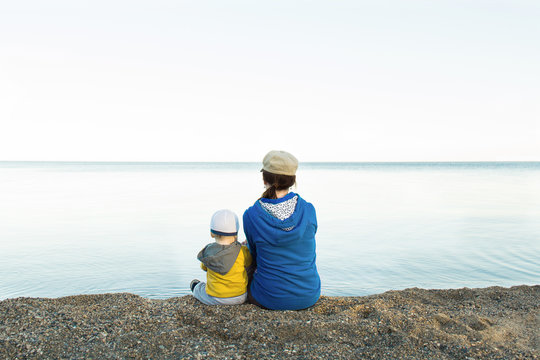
224 222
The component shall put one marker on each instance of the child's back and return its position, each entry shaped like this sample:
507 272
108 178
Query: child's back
225 262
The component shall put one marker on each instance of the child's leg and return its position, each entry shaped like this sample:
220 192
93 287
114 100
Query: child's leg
200 294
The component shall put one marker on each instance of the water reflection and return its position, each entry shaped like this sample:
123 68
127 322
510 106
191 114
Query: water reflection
74 228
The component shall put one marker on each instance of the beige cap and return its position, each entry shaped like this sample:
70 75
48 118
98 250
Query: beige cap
280 162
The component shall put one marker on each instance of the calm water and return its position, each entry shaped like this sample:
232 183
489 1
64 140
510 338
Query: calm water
81 228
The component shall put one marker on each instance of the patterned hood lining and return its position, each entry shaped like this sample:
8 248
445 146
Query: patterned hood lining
282 210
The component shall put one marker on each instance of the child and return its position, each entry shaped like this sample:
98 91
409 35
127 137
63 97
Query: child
225 263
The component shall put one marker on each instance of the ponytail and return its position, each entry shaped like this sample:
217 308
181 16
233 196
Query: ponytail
270 193
277 182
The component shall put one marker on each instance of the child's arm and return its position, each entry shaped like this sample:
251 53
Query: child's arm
248 259
249 264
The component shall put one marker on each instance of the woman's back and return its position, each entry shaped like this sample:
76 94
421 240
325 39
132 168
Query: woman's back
281 239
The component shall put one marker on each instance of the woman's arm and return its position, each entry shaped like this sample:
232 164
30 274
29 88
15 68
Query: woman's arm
249 238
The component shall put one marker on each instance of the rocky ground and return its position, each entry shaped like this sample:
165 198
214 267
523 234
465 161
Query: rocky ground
490 323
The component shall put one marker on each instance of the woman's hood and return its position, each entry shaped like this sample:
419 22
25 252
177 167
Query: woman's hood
277 230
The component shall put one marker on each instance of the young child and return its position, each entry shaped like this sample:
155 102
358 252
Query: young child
225 263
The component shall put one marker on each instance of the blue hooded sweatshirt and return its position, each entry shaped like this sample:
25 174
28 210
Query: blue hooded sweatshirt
286 277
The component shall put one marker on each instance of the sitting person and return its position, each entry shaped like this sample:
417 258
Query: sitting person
280 231
225 262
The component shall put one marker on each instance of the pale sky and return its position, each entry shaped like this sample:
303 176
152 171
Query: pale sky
434 80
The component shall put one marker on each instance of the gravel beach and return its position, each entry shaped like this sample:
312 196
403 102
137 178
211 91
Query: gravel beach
489 323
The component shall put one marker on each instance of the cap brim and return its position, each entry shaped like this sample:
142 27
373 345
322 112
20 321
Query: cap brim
224 233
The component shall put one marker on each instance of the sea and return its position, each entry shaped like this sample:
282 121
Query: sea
71 228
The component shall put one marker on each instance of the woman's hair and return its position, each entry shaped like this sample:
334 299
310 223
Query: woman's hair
276 182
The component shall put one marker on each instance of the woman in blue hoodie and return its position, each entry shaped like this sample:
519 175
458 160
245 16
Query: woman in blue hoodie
280 231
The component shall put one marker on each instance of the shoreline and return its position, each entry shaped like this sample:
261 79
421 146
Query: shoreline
486 323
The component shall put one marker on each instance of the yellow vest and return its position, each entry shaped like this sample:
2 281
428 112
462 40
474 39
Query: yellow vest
233 283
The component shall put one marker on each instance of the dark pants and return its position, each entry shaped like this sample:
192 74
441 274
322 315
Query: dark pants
251 300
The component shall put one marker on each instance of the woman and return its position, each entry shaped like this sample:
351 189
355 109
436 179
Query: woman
280 230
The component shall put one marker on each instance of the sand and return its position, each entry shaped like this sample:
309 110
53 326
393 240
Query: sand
489 323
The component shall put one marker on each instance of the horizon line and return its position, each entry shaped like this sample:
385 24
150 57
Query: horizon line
256 162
